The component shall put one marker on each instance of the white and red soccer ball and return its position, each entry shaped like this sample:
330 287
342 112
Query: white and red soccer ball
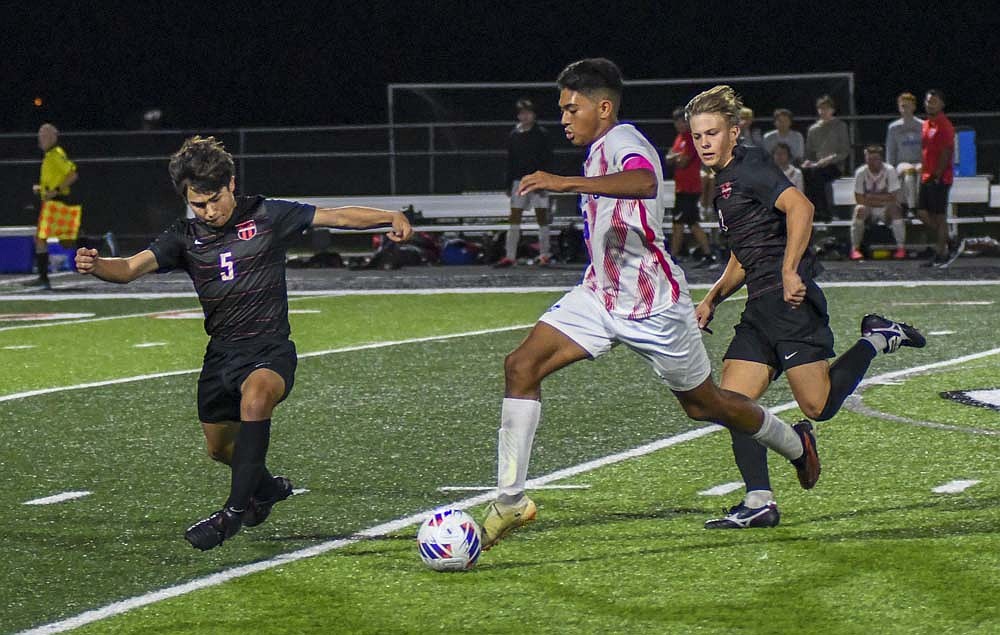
449 540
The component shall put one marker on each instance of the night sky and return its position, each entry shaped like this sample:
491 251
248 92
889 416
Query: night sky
217 65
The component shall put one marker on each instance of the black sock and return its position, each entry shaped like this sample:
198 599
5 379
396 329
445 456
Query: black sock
248 461
845 375
42 262
265 488
751 459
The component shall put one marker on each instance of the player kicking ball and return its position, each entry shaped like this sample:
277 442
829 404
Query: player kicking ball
785 326
234 252
632 293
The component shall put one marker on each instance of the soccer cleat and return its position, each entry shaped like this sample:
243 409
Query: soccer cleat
259 509
896 334
503 263
743 517
899 254
807 466
856 254
38 283
544 261
214 530
501 519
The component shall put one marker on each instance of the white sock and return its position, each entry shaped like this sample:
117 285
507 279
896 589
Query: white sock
910 187
543 241
857 232
757 498
899 232
518 421
877 340
779 436
513 238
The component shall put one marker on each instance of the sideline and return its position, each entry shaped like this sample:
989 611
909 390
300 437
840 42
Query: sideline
398 524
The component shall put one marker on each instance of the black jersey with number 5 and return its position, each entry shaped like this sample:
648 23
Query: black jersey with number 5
238 270
745 193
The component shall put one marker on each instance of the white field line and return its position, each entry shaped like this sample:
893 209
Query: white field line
141 295
954 487
21 279
490 488
57 498
129 604
721 490
81 321
331 351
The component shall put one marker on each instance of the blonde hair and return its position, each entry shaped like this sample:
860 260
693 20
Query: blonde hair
746 113
721 99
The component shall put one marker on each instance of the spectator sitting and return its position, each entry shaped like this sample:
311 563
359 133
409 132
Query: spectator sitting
749 135
902 147
783 133
782 155
876 189
827 148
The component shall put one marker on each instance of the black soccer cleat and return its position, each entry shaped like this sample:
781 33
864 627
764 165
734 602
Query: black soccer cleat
259 509
807 466
743 517
896 334
214 530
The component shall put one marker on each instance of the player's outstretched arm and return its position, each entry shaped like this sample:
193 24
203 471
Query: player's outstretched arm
364 218
799 223
119 270
639 183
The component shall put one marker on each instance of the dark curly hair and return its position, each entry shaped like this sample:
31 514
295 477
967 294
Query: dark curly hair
201 164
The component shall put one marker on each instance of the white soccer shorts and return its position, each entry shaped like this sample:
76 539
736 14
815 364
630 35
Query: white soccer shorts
669 341
538 199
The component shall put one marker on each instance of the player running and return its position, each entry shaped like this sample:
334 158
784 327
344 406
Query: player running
785 326
632 293
234 251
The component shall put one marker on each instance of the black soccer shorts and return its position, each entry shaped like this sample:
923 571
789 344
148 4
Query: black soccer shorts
228 364
771 332
933 197
686 208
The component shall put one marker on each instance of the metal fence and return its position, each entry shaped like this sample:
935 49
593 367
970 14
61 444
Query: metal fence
125 188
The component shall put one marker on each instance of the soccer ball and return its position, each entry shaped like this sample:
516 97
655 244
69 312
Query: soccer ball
449 540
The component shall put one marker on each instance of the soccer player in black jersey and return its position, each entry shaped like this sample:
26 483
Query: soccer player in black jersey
234 252
785 326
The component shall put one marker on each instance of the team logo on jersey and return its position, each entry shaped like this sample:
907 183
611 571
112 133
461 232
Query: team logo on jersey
726 189
246 230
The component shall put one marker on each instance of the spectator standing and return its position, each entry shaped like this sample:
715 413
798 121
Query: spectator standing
687 186
528 150
827 148
749 135
783 133
782 156
937 142
876 190
903 147
57 217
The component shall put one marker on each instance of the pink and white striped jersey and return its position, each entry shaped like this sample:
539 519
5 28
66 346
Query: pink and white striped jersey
630 271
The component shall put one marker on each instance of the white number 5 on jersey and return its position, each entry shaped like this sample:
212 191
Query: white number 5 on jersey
226 264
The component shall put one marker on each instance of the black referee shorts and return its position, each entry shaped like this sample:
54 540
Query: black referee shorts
933 197
686 208
228 364
772 332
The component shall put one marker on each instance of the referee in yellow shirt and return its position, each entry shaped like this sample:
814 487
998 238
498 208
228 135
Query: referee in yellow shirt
57 219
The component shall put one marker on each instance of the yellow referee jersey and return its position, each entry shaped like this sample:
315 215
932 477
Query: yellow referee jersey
55 167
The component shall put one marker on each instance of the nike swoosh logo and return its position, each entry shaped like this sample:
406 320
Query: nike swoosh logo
791 355
198 242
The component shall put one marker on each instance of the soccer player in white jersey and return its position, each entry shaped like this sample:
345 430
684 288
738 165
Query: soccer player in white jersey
876 190
632 293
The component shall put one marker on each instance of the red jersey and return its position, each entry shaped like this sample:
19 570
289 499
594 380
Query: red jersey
936 137
688 178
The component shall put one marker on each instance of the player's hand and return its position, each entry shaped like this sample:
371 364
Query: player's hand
86 260
704 313
795 289
541 181
401 230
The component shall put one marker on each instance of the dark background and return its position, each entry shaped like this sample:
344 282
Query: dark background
212 67
100 65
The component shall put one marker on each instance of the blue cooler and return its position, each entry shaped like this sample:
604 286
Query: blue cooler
17 249
965 151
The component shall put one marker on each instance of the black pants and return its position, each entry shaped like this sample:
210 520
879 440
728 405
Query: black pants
818 191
